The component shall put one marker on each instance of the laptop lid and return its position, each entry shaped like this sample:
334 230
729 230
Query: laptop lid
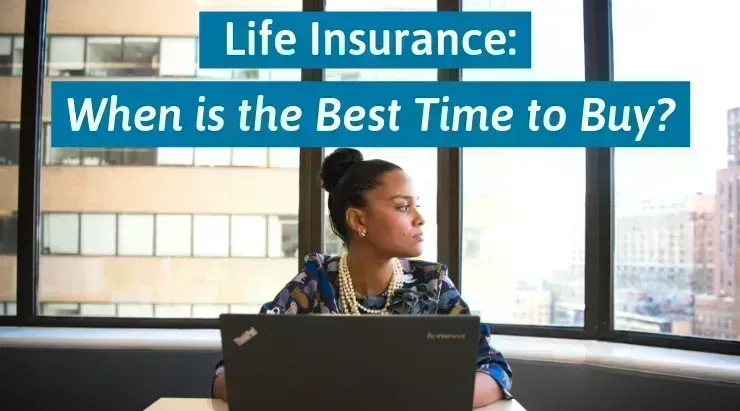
349 363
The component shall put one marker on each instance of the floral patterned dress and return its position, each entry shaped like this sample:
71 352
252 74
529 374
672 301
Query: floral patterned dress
426 290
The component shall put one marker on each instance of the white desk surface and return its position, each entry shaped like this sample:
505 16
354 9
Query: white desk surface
202 404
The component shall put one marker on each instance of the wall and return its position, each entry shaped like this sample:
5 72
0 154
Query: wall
93 380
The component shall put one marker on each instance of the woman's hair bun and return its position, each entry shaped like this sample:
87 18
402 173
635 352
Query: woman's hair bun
336 164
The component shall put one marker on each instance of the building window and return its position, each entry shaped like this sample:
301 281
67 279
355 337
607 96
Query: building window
6 55
140 57
249 157
211 236
175 156
98 234
248 236
213 156
17 55
136 234
61 233
66 56
283 236
10 134
177 57
284 158
8 233
104 56
173 235
11 55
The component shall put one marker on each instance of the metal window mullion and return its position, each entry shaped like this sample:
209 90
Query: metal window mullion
29 170
599 216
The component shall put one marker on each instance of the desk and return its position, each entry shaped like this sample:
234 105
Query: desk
201 404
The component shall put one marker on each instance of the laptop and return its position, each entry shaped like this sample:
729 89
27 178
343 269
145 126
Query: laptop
349 363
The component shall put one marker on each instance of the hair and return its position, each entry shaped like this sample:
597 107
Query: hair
347 177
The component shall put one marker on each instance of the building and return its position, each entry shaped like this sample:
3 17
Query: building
733 137
170 232
714 318
153 232
665 247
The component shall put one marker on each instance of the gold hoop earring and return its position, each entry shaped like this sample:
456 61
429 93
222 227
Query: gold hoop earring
362 231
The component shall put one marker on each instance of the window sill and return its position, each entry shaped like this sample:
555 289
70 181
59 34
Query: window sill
662 361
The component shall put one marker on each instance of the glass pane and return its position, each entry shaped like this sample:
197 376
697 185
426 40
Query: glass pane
17 55
676 238
136 234
174 235
185 231
66 56
520 203
140 57
6 55
177 56
248 236
98 234
12 17
211 236
105 57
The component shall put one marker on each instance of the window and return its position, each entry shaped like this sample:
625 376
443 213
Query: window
61 233
248 236
211 236
8 233
135 235
249 157
177 57
212 156
284 158
181 156
173 235
98 234
6 55
66 56
104 56
140 57
664 189
283 236
10 134
524 209
17 55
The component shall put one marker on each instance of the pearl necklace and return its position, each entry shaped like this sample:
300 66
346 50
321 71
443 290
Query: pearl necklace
348 300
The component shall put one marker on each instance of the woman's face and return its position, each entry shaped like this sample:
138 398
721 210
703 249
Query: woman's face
392 218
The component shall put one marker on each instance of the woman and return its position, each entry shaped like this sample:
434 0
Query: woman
373 209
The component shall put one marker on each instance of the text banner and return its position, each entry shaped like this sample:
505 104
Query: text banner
369 114
234 39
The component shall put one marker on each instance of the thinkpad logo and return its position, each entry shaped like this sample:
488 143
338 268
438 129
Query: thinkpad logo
245 337
432 336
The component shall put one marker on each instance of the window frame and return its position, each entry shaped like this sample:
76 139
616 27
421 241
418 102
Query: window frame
599 214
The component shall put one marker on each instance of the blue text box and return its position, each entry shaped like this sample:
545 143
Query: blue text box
501 39
370 114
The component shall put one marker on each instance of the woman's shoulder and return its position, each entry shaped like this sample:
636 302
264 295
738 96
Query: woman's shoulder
424 269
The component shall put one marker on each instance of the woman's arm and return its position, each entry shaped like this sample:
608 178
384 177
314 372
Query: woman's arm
487 391
218 388
493 379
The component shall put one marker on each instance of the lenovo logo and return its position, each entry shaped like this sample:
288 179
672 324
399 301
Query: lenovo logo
431 336
246 336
